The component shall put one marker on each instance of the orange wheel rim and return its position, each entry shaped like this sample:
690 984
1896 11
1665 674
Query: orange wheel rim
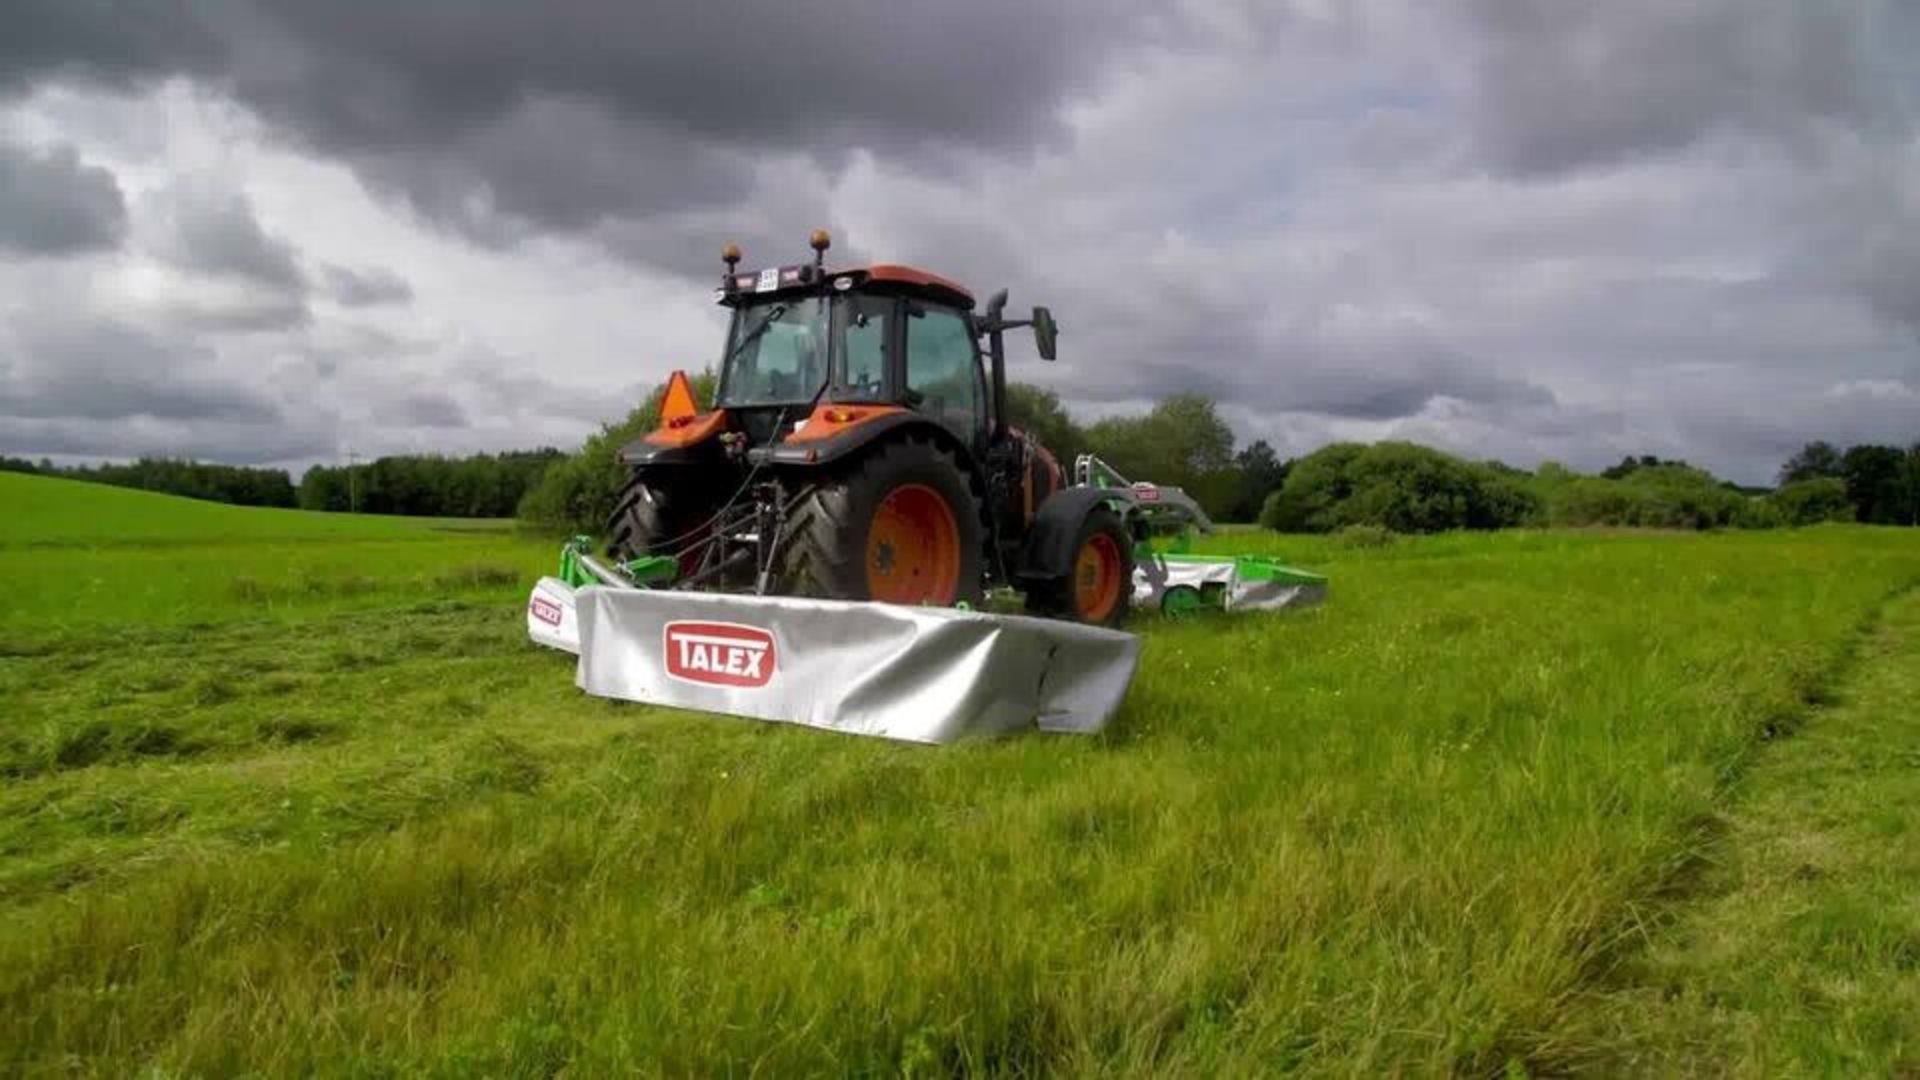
913 548
1096 578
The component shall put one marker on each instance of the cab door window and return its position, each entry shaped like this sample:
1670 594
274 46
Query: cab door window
943 371
867 341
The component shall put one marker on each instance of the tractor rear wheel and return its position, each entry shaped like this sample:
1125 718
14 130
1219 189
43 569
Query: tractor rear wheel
1098 586
644 522
901 525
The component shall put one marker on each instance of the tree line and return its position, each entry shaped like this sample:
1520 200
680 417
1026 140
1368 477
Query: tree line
236 484
1397 486
480 485
427 485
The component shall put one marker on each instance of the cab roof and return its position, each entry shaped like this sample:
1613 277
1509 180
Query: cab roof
913 275
780 279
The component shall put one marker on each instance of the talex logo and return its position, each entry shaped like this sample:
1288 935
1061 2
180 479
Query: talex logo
719 654
545 610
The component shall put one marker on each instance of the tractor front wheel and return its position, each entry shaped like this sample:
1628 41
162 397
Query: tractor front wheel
1098 586
900 525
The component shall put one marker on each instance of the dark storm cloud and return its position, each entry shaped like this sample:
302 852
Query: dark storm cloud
98 370
365 287
1562 86
52 203
564 115
116 44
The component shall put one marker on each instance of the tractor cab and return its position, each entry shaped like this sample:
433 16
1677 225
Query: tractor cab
885 337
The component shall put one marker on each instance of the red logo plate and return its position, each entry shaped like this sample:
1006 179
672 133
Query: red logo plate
545 610
719 654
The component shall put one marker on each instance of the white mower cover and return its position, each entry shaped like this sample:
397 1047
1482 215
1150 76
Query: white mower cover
1153 577
551 620
929 675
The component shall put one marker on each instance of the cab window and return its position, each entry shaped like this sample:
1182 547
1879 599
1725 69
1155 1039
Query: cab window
868 322
943 373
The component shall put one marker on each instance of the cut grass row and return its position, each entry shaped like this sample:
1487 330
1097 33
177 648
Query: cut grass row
1796 949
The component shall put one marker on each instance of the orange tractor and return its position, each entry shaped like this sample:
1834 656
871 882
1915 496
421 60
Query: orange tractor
858 449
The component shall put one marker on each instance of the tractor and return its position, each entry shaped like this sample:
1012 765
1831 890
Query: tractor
858 448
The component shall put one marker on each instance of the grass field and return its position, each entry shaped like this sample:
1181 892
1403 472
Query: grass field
291 793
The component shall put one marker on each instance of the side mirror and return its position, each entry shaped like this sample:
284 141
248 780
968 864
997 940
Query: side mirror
1045 332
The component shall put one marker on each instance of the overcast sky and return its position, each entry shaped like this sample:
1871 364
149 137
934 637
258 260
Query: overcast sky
268 231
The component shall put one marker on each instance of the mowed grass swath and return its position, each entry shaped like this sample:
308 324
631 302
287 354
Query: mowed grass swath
1397 832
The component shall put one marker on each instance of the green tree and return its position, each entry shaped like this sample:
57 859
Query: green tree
1630 464
1877 484
1810 502
1039 413
1912 475
1816 459
1261 474
1182 442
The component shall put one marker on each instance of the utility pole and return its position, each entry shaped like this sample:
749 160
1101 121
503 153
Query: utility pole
353 494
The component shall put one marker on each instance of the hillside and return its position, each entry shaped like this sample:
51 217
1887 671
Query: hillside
75 553
43 510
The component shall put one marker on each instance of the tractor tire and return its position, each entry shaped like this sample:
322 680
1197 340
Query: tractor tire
900 525
643 521
1098 589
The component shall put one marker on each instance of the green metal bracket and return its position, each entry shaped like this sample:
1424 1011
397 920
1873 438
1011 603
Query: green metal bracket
571 571
652 571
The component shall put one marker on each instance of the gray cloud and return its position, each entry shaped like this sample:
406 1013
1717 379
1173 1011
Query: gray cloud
52 203
222 441
207 228
1563 86
103 371
421 408
365 287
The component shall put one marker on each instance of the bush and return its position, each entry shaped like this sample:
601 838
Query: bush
1757 513
1668 496
1396 486
1810 502
577 493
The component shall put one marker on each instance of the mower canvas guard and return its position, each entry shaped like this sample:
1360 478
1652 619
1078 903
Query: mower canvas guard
920 674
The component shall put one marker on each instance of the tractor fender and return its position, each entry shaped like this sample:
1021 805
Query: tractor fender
642 452
1048 550
857 437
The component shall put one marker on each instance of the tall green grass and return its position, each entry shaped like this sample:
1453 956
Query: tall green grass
1400 832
